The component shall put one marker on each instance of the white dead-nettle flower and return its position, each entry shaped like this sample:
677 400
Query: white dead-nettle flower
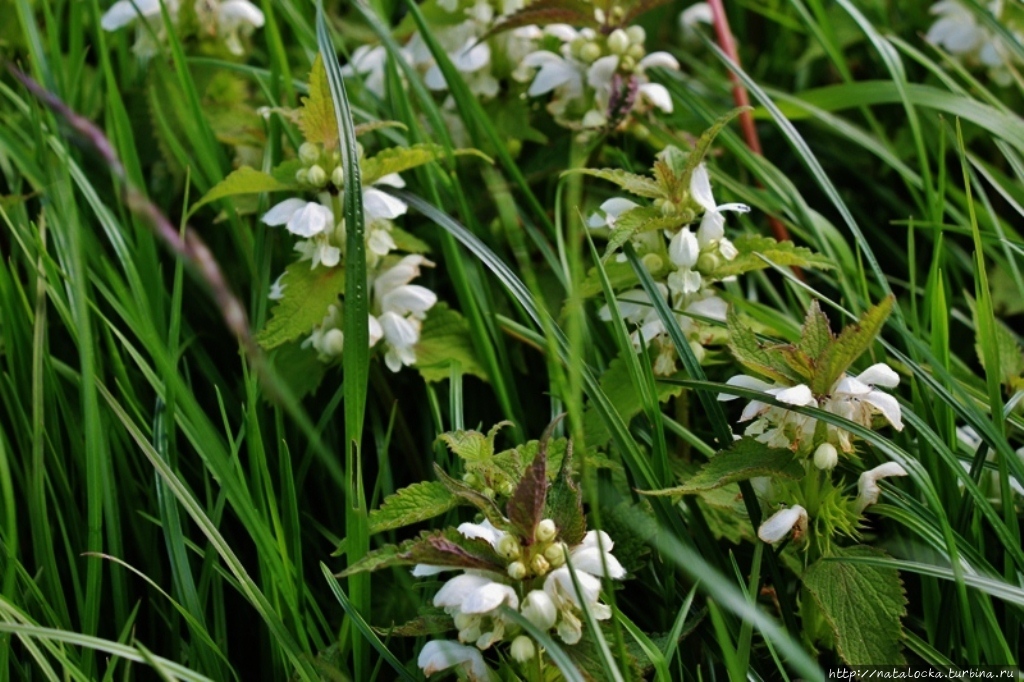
782 523
775 426
441 654
692 17
399 309
867 485
609 212
958 31
224 20
857 399
853 398
712 225
826 457
590 560
370 61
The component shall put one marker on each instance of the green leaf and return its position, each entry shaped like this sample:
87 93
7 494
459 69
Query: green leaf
1009 352
564 503
526 506
408 242
473 497
317 120
751 249
746 459
412 504
421 626
700 149
444 338
637 220
862 604
751 353
640 185
398 159
618 386
298 367
849 345
446 547
586 654
471 446
816 334
620 276
307 294
244 180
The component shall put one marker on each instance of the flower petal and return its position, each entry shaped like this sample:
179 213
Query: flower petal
440 655
880 374
454 592
281 213
489 597
657 96
123 12
744 381
888 406
782 522
380 206
590 560
659 60
795 395
700 187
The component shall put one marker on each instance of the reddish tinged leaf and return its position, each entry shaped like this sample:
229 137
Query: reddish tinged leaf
446 547
526 506
641 7
565 504
542 16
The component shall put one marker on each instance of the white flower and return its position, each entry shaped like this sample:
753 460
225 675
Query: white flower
867 485
826 457
126 12
442 654
589 560
369 61
523 649
539 609
712 225
609 212
777 427
958 31
782 523
856 399
699 13
300 217
233 19
555 73
400 307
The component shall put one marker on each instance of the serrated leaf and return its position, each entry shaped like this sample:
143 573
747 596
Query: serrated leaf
316 120
445 547
751 249
796 360
618 386
444 338
544 12
849 345
474 497
620 275
398 159
639 7
471 446
631 526
421 626
816 333
564 503
640 185
526 506
285 171
862 603
751 353
244 180
746 459
307 294
703 144
637 220
298 367
412 504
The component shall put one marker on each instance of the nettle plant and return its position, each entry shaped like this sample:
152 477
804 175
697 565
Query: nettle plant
405 320
529 560
679 236
796 463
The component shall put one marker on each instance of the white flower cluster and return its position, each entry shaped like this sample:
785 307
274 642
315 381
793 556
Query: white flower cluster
685 288
397 308
537 583
853 398
598 80
958 31
227 21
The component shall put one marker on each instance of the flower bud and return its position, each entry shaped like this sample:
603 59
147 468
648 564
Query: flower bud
516 570
590 52
471 479
653 262
555 554
333 342
539 609
618 41
627 63
506 488
636 52
309 153
707 262
317 176
546 531
488 493
302 176
523 649
540 565
338 176
508 547
826 457
636 34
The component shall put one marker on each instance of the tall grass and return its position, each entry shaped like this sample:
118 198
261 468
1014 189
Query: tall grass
167 503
